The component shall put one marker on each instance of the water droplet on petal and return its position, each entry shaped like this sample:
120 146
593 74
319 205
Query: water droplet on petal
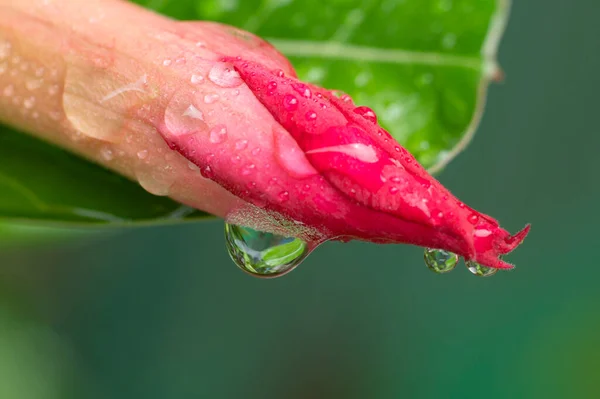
290 103
142 154
241 145
263 254
473 218
284 196
248 169
440 261
479 270
182 117
107 154
197 79
271 87
218 134
224 75
310 116
210 98
366 113
302 89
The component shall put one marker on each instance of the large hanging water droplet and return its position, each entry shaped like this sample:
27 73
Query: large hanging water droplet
263 254
440 261
480 270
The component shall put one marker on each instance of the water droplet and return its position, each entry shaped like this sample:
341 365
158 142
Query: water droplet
28 103
310 116
473 218
284 196
107 154
53 90
255 151
302 89
192 166
263 254
182 117
241 145
248 169
218 134
366 113
142 154
479 270
33 84
290 103
167 62
394 190
156 183
440 261
211 98
279 73
271 87
8 91
224 75
196 79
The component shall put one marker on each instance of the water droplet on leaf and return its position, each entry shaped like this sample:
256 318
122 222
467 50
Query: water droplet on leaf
440 261
263 254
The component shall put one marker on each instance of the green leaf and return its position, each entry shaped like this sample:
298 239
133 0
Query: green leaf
423 65
41 182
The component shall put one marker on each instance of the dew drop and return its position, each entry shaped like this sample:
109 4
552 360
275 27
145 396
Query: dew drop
210 98
193 167
284 196
302 89
241 145
290 103
29 102
107 154
279 73
479 270
224 75
33 84
8 91
182 117
271 87
196 79
263 254
155 183
440 261
143 154
167 62
366 113
473 218
218 134
310 116
248 169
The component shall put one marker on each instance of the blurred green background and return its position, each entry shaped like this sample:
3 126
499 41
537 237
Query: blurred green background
163 313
